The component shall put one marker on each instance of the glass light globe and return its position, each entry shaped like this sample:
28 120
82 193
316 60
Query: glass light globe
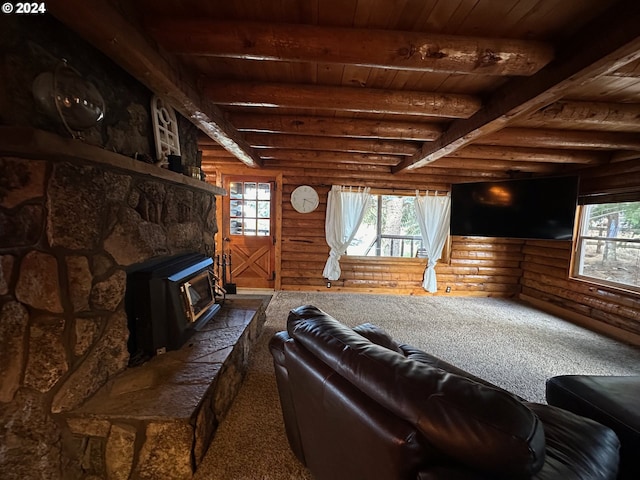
66 95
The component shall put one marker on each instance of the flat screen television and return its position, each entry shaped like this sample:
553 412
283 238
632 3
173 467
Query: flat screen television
533 208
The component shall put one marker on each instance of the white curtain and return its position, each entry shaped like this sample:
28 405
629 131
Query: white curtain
345 209
434 213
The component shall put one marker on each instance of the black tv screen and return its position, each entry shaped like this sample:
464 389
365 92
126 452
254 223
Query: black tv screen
535 208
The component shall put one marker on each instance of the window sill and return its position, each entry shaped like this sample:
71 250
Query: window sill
608 286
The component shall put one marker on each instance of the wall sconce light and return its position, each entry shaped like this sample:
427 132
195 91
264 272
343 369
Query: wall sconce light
64 94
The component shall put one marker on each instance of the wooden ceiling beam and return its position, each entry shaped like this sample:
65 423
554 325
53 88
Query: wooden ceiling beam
356 145
335 127
588 114
604 45
562 139
543 155
366 47
352 99
101 24
313 156
490 164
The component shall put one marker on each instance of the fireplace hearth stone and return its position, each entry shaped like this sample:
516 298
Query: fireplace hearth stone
157 420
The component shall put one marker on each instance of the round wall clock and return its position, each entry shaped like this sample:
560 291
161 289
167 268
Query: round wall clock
304 199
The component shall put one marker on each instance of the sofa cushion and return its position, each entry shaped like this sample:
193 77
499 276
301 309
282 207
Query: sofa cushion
378 336
480 426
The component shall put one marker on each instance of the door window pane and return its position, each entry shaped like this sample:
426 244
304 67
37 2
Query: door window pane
235 226
264 209
264 191
250 208
235 189
249 227
263 227
235 207
250 191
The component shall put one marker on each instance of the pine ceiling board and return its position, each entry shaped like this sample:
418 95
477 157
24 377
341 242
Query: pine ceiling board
329 74
270 10
469 84
336 13
426 81
385 78
213 68
390 117
564 19
374 14
264 110
525 123
609 89
404 80
407 16
354 76
389 79
257 70
247 9
439 16
523 14
458 18
402 10
545 18
309 9
294 11
487 19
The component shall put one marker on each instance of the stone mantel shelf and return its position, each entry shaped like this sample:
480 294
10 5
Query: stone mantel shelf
38 144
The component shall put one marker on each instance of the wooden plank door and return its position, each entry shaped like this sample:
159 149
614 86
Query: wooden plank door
248 232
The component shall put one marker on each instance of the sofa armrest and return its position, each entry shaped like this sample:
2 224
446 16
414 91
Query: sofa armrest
276 347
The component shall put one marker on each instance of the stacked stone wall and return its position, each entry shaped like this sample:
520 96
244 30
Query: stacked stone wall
69 231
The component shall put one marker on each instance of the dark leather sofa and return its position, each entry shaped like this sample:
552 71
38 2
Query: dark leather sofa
357 405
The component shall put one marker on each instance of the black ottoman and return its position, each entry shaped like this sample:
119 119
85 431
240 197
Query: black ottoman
610 400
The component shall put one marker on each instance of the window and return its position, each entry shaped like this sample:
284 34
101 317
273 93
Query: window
250 208
608 244
389 229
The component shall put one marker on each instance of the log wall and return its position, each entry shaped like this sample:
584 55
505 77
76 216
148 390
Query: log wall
536 271
478 266
546 284
546 266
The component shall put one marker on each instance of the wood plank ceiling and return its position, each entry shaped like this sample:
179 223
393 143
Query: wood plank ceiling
489 87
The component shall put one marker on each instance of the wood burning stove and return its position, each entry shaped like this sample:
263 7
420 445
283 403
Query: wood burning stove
166 301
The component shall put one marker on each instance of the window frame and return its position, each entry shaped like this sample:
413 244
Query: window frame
446 251
242 201
577 258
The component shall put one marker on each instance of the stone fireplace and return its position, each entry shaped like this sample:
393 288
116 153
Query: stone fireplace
73 219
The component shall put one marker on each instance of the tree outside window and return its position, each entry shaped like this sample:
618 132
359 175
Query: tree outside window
388 229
